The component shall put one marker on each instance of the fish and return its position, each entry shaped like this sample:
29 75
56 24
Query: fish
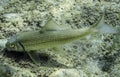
46 38
52 36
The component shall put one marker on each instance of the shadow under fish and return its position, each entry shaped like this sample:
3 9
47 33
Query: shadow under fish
44 59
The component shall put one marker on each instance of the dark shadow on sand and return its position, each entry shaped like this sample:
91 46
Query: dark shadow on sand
45 59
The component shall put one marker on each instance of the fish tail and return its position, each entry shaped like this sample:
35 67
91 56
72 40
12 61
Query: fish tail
103 28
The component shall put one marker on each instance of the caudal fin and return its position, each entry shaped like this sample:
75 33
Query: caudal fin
104 28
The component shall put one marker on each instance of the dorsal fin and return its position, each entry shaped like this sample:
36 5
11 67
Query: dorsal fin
52 25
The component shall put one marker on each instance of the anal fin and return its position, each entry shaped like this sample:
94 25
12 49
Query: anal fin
60 51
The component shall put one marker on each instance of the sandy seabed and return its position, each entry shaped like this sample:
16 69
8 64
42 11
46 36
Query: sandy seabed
98 57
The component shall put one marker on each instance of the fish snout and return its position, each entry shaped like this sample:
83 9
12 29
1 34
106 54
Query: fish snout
3 43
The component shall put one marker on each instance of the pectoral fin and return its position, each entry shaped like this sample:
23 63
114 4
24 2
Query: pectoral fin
34 57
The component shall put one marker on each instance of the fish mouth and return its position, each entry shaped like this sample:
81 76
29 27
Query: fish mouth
3 43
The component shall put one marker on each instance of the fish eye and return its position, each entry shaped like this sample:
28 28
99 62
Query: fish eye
12 45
